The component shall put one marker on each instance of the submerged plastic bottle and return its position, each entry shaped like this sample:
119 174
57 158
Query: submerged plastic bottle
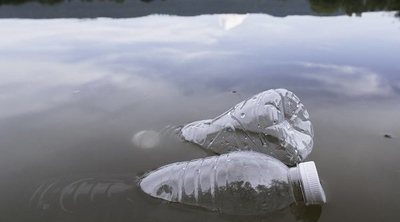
242 183
273 122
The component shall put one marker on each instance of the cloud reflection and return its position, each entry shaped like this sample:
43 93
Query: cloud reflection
230 21
45 63
348 80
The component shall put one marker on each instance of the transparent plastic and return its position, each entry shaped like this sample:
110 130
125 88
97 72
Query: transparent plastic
242 182
273 122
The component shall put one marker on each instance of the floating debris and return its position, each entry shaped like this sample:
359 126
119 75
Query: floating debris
388 136
237 183
273 122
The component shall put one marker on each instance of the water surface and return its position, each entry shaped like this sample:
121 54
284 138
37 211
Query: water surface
73 93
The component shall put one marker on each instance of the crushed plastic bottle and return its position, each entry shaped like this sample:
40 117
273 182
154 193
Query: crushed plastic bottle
242 183
273 122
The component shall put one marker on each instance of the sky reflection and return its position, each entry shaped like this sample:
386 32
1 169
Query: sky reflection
47 62
75 93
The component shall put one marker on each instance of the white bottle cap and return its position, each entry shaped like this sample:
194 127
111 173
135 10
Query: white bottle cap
313 191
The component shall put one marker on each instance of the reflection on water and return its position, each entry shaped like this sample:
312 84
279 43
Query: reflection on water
112 198
357 6
74 92
74 60
136 8
146 139
87 198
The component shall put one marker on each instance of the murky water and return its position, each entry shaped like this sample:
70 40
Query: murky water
75 92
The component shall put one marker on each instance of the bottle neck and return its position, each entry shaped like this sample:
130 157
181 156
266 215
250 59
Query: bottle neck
295 184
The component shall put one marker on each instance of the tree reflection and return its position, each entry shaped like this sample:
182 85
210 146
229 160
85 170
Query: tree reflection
19 2
48 2
319 6
242 198
147 7
351 7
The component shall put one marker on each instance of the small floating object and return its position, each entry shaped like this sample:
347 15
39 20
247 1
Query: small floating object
388 136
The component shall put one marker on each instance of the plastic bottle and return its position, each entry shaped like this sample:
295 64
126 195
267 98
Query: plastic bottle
273 122
242 182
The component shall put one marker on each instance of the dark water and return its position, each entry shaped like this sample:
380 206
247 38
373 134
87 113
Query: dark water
136 8
74 92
